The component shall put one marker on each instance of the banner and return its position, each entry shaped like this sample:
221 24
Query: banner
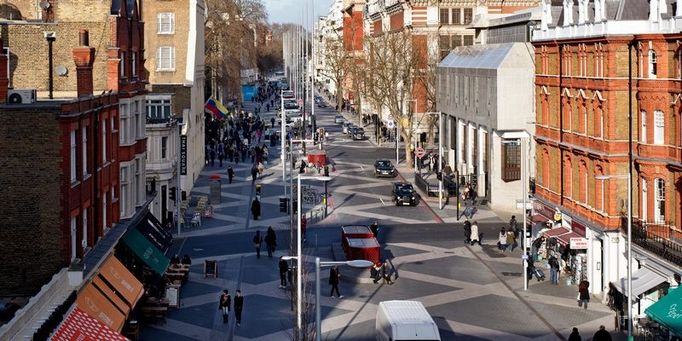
183 155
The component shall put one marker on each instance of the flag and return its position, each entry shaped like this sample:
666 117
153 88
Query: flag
216 108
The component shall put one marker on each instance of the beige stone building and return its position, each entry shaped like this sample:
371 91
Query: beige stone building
174 59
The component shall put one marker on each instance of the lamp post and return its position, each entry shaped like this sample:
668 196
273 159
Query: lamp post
283 131
525 168
178 172
627 176
357 263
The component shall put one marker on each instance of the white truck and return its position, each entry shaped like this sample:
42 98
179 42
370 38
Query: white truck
405 320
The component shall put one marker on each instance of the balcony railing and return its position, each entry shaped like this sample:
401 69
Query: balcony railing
663 240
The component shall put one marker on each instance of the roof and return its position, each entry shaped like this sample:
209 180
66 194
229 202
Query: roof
406 312
80 326
490 57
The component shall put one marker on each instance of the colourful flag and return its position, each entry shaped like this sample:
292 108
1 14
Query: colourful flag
216 108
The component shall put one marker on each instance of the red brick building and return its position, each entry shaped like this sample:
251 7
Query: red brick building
589 75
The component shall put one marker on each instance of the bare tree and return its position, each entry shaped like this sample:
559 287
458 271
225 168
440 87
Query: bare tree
392 64
337 59
424 79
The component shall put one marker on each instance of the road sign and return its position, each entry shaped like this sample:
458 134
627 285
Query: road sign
420 152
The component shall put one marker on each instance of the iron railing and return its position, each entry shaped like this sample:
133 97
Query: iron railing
663 240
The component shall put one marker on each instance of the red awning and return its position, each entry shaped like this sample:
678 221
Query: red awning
556 232
539 218
80 326
565 239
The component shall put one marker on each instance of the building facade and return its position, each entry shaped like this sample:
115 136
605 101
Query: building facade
603 80
175 62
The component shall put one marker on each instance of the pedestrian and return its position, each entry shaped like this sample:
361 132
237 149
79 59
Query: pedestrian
283 269
386 271
238 306
511 240
467 231
601 334
212 157
575 336
502 240
536 245
514 226
334 276
553 270
261 169
583 293
374 228
254 174
272 121
257 240
475 238
224 304
375 272
255 209
270 241
230 174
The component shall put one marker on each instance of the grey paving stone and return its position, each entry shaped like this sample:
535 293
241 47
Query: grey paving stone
191 289
200 315
257 271
402 289
151 333
563 317
392 251
466 269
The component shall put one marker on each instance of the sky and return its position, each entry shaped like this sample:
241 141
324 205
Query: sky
283 11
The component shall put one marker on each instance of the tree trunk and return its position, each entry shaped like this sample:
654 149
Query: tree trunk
408 155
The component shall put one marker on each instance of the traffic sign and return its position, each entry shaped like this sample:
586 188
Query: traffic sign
420 152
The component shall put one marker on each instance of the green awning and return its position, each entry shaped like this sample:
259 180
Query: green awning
668 311
146 251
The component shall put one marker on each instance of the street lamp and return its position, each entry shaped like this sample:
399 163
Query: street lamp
356 263
627 176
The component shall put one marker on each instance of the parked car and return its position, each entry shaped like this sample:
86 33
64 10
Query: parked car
384 168
404 194
358 134
321 104
346 127
405 320
338 119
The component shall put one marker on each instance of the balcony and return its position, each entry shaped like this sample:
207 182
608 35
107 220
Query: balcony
664 240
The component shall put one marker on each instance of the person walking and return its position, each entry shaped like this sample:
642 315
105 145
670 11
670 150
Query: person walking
283 269
224 304
502 240
230 174
255 209
553 270
238 306
511 240
270 241
475 237
254 174
467 231
374 228
334 276
514 226
386 272
583 293
257 240
575 336
601 334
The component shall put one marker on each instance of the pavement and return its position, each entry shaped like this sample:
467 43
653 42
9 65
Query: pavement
473 292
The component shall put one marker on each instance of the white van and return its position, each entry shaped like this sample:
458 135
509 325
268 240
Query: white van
405 320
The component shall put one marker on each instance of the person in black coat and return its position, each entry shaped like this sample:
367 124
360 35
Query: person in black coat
230 174
283 269
575 336
254 174
257 240
255 209
334 276
270 241
601 335
224 304
238 306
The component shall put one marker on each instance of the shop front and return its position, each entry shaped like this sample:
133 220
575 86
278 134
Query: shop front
664 317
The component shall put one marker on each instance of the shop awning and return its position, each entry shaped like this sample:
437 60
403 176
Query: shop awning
151 228
144 249
539 218
643 280
80 326
121 280
98 306
565 239
668 311
556 232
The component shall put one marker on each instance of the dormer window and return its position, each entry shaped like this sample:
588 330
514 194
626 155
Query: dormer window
652 64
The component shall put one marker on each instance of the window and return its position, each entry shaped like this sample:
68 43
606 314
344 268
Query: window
164 147
122 65
568 177
457 16
165 23
84 241
599 126
468 40
468 16
137 122
73 156
133 68
511 160
123 195
136 184
158 108
659 203
73 238
652 64
444 16
84 150
659 124
643 126
104 142
165 58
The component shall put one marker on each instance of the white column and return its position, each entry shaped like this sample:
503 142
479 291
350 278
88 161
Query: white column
469 148
568 13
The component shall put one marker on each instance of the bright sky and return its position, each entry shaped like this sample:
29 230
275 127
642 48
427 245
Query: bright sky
283 11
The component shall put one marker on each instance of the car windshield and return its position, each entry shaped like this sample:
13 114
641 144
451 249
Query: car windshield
405 189
384 163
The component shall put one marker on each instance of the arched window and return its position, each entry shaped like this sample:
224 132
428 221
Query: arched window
545 168
652 64
600 189
568 177
642 128
582 182
599 121
659 125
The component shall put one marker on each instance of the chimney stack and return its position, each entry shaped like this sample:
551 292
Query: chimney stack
84 57
4 81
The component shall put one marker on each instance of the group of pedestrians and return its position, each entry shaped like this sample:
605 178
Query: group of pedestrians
471 234
382 271
601 335
270 242
507 239
225 301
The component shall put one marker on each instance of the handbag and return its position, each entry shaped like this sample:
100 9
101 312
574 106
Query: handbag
578 298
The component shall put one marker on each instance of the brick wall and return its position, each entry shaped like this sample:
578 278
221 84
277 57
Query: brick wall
177 39
29 53
31 238
182 98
